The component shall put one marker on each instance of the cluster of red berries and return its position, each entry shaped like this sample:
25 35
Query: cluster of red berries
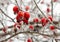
44 21
21 16
24 16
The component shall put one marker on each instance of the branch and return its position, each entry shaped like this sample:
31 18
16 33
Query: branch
2 23
8 27
52 7
18 5
26 32
32 24
7 15
39 8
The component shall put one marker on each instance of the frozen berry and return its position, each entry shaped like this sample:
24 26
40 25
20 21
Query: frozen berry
15 9
35 20
31 27
52 27
26 15
27 7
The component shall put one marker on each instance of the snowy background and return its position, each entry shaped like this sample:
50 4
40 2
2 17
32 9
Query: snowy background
8 8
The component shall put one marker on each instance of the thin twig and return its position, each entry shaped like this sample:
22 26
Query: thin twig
7 15
52 8
2 23
18 5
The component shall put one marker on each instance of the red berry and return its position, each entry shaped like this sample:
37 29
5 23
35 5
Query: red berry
52 27
31 27
20 15
36 20
29 40
50 17
44 21
26 15
4 30
55 0
27 7
48 10
15 9
25 21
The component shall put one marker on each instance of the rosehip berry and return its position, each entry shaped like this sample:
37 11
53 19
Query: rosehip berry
44 21
48 10
29 40
21 13
25 21
31 27
50 17
27 8
52 27
19 16
26 15
36 20
15 9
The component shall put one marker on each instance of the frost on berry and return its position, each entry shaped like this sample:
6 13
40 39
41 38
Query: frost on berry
31 27
27 8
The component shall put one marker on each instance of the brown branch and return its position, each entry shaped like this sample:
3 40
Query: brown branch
39 8
35 6
31 23
18 5
8 27
26 32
